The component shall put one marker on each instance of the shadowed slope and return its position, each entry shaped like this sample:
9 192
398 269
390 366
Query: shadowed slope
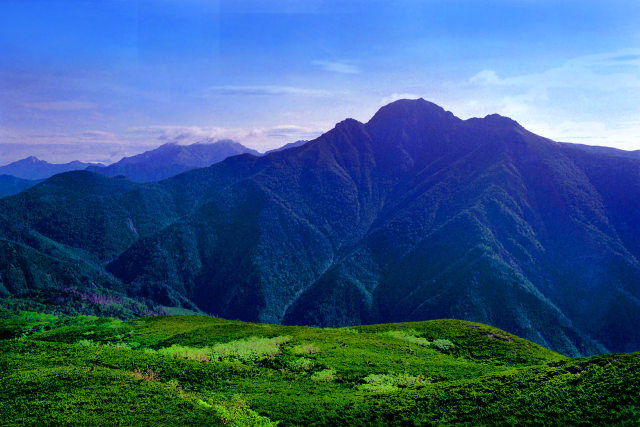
414 215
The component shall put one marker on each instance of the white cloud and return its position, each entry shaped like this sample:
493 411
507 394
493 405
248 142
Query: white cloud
259 138
338 67
396 96
486 77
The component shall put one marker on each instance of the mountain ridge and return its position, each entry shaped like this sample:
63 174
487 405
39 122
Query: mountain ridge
32 168
171 159
413 215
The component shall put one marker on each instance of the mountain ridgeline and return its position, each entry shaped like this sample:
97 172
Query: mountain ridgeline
171 159
32 168
414 215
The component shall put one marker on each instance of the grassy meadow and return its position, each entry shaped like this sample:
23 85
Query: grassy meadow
199 370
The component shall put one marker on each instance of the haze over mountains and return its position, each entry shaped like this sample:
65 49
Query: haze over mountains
413 215
34 168
171 159
153 165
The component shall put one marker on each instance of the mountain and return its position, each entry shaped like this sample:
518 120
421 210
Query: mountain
10 185
171 159
33 168
287 146
608 151
413 215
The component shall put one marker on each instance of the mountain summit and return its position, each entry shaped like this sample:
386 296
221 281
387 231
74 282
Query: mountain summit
32 168
171 159
413 215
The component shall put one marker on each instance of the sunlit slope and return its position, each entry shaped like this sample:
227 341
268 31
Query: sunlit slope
203 370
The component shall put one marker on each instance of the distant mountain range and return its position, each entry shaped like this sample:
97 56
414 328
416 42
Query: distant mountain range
287 146
34 168
413 215
171 159
153 165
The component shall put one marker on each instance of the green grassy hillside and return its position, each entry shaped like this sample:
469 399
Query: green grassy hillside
196 370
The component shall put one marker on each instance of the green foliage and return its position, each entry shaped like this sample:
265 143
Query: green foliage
198 370
384 383
251 349
237 412
179 351
443 345
326 375
409 336
302 364
305 350
248 350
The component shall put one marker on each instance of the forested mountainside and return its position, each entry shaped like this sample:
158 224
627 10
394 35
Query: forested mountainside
413 215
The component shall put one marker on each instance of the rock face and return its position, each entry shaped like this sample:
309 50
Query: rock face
171 159
414 215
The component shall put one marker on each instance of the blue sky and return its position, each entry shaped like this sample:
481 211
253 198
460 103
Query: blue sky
97 80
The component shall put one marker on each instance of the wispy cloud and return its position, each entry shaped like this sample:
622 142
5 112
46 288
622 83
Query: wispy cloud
60 105
260 138
396 96
338 67
269 90
293 132
98 134
603 71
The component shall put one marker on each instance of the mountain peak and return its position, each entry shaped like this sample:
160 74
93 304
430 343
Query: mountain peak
411 110
502 121
171 159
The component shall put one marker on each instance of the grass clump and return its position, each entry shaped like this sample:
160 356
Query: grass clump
180 352
305 350
326 375
238 413
385 383
248 350
251 349
302 364
443 345
409 335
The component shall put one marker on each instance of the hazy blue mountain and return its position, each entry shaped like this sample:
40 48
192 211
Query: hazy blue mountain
287 146
609 151
413 215
171 159
10 185
33 168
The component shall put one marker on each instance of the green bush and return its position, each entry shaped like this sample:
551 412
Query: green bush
443 345
302 364
177 351
326 375
248 350
409 335
305 349
251 349
385 383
